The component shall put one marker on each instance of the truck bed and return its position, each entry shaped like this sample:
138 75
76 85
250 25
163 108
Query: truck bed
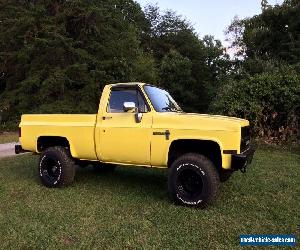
77 129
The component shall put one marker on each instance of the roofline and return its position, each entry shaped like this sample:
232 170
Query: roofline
133 84
127 84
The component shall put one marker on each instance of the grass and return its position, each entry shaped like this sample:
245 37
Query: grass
6 137
130 208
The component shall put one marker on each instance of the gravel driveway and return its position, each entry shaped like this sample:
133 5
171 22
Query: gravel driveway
7 149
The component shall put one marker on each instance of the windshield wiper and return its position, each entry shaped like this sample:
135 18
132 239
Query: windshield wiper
172 109
167 109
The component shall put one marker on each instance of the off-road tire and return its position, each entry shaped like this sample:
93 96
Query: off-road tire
193 181
62 162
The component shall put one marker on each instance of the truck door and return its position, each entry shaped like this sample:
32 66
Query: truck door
123 139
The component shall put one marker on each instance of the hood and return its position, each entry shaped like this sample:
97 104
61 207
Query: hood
199 121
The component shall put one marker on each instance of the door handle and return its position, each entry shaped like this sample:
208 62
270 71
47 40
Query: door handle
106 117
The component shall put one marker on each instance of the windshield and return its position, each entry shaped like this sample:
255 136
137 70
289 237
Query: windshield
161 100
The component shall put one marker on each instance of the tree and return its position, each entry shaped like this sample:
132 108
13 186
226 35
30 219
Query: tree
176 76
264 4
263 85
169 32
57 53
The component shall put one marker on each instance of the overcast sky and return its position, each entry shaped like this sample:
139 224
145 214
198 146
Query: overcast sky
211 16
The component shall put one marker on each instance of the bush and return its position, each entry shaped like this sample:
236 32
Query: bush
270 101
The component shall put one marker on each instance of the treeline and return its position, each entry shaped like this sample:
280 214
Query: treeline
56 56
264 84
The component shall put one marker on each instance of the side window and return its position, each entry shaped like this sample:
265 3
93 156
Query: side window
119 96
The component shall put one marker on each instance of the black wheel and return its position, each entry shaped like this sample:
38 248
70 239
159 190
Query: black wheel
56 167
225 175
193 181
104 168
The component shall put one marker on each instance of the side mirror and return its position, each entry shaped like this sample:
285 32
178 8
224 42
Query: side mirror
138 117
129 106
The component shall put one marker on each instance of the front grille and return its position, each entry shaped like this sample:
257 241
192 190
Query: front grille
245 138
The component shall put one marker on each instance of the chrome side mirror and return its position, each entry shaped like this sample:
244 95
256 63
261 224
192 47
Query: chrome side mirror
138 117
129 106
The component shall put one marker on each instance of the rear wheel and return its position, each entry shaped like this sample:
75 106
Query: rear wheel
193 181
56 167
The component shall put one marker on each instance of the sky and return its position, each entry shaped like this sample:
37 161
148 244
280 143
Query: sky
211 17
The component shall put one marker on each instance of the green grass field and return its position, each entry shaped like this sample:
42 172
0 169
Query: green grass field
130 209
6 137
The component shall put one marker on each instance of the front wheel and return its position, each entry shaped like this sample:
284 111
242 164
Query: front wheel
193 181
56 167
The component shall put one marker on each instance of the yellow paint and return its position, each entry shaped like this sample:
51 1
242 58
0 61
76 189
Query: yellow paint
120 139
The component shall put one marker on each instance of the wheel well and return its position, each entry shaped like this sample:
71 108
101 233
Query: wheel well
210 149
51 141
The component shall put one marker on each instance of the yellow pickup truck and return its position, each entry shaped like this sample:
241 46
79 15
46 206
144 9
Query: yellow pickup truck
141 125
